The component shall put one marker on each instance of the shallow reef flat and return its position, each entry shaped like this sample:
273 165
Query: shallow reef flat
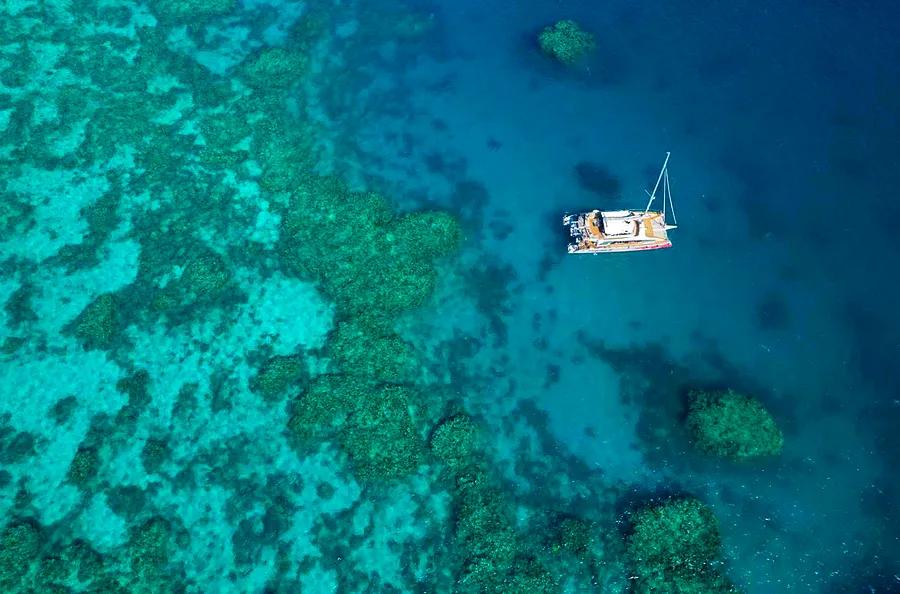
204 383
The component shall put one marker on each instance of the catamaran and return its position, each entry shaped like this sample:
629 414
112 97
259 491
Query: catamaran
602 231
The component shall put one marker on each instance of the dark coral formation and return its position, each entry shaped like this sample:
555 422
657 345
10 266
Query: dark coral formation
674 546
20 543
732 425
455 441
97 325
370 262
84 467
380 436
491 553
280 376
567 42
190 11
372 351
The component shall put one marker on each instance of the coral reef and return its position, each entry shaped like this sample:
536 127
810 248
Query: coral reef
98 324
574 536
275 68
455 441
190 11
567 42
674 546
491 554
154 454
281 375
373 352
84 467
203 279
380 437
484 534
732 425
370 263
15 215
372 423
20 543
224 291
150 551
324 406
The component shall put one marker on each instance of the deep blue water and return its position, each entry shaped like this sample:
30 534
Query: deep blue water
782 121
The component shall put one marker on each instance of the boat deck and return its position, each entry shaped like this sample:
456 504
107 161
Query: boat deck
637 231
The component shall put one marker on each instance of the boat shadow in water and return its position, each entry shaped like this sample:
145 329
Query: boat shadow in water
599 180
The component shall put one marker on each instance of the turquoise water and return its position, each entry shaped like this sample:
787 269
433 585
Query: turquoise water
286 305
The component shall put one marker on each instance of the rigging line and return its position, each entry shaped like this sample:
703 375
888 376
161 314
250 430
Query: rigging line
669 193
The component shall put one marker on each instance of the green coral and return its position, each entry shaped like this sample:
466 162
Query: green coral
325 406
491 556
126 501
84 466
190 11
567 42
19 307
280 375
19 67
119 122
573 536
484 534
674 546
428 234
73 103
62 411
204 277
88 562
15 215
275 68
101 217
154 454
455 441
134 386
11 344
52 574
284 162
98 324
150 545
372 424
374 266
204 280
369 262
20 543
15 446
380 437
529 576
732 425
222 134
382 356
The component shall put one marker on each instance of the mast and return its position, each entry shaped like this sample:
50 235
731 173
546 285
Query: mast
665 194
658 179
